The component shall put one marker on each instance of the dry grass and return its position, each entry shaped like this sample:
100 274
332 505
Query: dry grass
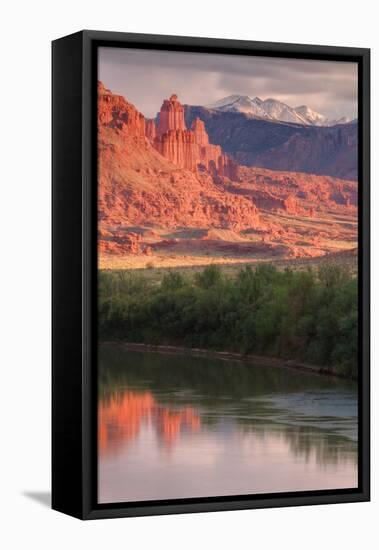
155 270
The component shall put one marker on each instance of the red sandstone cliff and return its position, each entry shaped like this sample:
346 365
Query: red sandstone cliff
297 193
138 185
115 112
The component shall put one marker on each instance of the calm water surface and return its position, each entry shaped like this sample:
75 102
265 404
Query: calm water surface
174 427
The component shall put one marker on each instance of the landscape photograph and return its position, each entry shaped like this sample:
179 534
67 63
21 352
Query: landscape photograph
227 275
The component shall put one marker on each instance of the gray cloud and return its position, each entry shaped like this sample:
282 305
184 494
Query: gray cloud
146 77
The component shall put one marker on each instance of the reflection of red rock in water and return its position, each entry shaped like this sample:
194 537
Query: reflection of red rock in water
120 418
171 423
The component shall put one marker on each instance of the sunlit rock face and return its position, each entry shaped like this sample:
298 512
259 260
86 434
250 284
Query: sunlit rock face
168 179
188 148
115 112
171 116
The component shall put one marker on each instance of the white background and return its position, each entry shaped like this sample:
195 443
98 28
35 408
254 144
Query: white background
26 31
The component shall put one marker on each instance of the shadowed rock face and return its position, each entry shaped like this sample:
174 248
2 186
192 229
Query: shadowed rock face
151 130
282 146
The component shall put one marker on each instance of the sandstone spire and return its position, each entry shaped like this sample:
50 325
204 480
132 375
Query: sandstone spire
171 116
198 128
188 149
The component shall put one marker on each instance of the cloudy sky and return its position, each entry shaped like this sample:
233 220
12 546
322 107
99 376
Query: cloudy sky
146 77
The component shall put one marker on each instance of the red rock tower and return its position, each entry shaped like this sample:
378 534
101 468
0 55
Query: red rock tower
188 149
171 116
198 128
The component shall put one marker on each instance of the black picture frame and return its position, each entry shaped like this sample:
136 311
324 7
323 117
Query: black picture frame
74 272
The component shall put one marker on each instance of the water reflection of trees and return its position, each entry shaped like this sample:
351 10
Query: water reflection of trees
326 448
203 388
323 447
212 377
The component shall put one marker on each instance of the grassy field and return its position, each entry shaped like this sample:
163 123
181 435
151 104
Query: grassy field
152 271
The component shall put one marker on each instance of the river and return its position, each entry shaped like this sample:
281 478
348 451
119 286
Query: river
174 426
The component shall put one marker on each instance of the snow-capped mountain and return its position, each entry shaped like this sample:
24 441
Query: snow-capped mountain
341 120
241 104
313 117
272 109
280 111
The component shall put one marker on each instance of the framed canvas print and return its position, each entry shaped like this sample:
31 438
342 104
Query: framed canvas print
210 275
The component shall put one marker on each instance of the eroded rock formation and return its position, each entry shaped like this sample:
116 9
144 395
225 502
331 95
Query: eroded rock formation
171 116
139 186
115 112
187 148
151 130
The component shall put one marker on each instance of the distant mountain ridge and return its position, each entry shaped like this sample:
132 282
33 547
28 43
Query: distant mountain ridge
277 145
274 110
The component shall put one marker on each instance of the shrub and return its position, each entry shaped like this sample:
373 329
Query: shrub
305 315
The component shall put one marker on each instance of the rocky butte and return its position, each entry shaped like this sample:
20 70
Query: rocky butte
187 148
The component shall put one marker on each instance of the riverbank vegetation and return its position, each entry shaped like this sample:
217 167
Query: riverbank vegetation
310 316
